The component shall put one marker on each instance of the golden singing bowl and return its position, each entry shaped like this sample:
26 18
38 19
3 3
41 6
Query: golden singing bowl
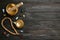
19 23
12 8
11 11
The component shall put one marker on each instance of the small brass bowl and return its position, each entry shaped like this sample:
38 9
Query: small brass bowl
13 11
19 23
12 8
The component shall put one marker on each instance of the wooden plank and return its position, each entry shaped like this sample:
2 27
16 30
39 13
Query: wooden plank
42 19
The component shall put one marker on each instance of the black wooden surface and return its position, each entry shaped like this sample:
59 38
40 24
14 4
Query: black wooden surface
42 21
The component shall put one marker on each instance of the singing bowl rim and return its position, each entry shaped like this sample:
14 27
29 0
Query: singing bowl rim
9 12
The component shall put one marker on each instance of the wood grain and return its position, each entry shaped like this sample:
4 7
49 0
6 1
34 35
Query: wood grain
42 20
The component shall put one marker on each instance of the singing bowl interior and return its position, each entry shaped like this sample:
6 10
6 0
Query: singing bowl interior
11 12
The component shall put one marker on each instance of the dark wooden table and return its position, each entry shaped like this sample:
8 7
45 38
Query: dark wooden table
42 21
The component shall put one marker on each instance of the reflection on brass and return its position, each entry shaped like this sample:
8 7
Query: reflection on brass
12 8
19 23
2 23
